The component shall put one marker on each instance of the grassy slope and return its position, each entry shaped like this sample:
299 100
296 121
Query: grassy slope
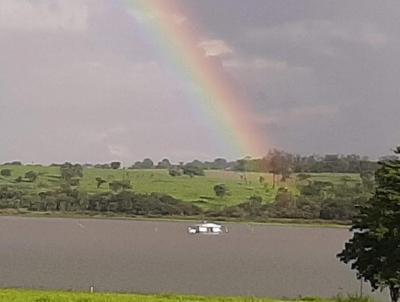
41 296
183 187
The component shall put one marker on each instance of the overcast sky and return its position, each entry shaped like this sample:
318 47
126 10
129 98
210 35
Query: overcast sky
83 80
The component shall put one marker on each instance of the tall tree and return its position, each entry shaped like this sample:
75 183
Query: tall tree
115 165
164 164
220 190
374 249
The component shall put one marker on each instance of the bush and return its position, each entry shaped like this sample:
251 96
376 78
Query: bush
220 190
115 165
193 170
119 185
5 172
174 171
31 176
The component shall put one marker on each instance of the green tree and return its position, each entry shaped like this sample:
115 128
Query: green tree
5 172
100 181
219 164
31 176
69 171
255 206
164 164
367 180
174 171
278 163
220 190
374 249
115 165
147 164
192 170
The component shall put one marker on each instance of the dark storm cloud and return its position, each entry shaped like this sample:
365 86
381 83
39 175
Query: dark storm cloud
82 80
334 63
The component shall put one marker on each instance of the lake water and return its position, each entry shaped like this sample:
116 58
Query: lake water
161 257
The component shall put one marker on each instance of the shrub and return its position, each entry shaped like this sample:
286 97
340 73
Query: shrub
5 172
193 170
31 176
220 190
174 171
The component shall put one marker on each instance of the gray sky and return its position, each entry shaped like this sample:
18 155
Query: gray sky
84 81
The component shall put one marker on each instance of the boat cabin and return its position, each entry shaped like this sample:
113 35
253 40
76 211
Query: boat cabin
207 228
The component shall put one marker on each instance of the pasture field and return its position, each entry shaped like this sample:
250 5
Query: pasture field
198 190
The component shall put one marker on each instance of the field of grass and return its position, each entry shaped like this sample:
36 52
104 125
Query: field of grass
198 190
41 296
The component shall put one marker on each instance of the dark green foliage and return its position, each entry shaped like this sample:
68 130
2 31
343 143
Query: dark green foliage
31 176
319 200
284 163
253 208
244 165
174 171
115 165
5 172
164 164
13 163
284 198
374 249
220 190
219 164
140 204
147 163
303 176
120 185
102 166
9 198
278 163
193 170
69 171
100 181
74 181
368 180
321 189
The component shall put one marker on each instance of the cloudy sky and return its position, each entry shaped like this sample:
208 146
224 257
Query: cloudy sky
84 80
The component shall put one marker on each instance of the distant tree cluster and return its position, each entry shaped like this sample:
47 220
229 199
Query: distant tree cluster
147 163
277 162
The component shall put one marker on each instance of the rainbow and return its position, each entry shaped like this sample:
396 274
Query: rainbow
216 96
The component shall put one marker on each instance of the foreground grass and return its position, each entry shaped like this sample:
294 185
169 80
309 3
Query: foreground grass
42 296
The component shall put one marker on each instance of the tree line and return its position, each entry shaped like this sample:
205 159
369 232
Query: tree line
275 161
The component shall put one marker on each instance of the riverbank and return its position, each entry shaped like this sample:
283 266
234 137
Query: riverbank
112 216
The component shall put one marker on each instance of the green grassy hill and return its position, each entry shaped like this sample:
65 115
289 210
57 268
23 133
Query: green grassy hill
198 190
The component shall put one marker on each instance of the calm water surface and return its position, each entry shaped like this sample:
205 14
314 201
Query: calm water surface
160 257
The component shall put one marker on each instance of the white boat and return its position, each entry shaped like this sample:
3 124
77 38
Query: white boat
207 229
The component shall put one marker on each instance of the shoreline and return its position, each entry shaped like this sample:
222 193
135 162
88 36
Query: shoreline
268 222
